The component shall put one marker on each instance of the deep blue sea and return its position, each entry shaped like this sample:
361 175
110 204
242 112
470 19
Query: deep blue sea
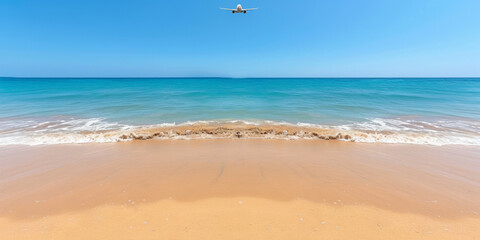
402 110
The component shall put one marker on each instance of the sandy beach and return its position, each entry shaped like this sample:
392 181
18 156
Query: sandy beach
186 120
239 189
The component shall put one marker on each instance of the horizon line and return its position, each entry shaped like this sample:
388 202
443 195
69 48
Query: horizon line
3 77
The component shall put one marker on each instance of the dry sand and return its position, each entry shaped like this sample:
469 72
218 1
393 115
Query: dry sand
239 189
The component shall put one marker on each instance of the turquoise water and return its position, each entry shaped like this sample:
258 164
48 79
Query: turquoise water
446 107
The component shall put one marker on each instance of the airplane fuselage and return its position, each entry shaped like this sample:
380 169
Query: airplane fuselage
239 9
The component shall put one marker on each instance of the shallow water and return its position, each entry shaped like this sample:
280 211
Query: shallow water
440 111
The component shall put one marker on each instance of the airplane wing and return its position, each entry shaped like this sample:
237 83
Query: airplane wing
228 9
249 9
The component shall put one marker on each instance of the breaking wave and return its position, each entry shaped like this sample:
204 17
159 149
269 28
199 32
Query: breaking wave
96 130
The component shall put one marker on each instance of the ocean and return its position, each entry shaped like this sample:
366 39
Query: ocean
390 110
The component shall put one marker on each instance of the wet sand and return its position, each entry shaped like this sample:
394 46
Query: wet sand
239 189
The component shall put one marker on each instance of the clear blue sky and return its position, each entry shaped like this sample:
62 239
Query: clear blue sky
309 38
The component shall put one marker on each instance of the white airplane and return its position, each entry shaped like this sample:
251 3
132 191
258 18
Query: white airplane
239 9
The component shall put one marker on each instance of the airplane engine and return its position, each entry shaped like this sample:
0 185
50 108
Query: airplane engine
233 11
244 11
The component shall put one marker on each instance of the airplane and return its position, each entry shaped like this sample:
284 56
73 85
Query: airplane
239 9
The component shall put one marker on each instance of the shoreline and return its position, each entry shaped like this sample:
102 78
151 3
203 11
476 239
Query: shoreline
289 187
87 132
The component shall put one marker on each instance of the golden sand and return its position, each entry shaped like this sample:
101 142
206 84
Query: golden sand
239 189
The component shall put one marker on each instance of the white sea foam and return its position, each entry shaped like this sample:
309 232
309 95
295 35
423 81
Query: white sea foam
440 132
57 131
96 130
